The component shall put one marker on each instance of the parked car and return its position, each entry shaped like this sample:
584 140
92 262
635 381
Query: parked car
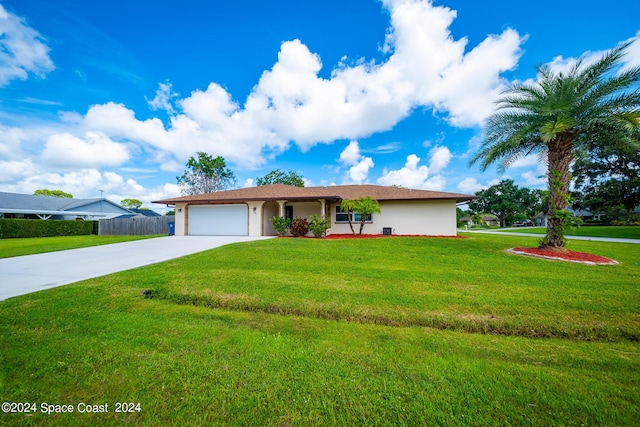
523 223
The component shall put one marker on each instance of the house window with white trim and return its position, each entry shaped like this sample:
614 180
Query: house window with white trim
343 216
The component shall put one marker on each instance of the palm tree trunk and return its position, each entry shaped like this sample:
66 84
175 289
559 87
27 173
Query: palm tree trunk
350 223
560 151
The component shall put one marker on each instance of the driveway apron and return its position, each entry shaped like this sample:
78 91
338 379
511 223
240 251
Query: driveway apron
32 273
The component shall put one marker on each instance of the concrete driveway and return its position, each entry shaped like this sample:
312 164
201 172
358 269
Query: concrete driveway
32 273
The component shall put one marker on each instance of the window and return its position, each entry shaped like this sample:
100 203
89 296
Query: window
342 216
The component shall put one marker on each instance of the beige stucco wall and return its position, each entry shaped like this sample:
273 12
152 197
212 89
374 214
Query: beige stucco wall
255 218
305 209
269 210
431 218
181 214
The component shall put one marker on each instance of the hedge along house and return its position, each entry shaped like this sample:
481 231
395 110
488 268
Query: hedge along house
248 211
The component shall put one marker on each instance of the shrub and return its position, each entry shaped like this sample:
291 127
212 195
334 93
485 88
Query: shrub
299 227
281 224
632 222
319 226
12 228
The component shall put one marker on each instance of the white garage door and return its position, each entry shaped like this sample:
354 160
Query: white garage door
219 220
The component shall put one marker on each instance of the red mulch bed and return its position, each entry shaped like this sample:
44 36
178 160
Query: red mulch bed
370 236
570 256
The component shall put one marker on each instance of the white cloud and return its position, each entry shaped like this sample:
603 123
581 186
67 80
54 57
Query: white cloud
115 120
469 185
10 141
632 59
351 154
533 179
96 150
526 161
440 158
359 173
360 165
22 50
162 100
443 76
391 147
424 66
410 175
435 183
560 64
15 170
414 175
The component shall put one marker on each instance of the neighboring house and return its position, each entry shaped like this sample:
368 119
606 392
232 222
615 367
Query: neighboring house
248 211
15 205
581 213
540 219
145 212
488 219
140 213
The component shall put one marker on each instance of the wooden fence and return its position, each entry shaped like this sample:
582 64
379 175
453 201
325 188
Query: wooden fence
135 226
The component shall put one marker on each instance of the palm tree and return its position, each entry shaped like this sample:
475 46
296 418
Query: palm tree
366 206
348 205
557 115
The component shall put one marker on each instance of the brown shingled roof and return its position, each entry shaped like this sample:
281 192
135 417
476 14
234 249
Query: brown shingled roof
336 192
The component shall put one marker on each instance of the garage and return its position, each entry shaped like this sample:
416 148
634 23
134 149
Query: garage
218 220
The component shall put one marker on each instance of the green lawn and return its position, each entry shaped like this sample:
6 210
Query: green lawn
397 331
37 245
626 232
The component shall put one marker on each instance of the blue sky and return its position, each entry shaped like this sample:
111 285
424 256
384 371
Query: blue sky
116 95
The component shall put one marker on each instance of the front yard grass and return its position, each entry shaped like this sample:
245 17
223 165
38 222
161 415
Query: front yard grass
615 231
337 332
37 245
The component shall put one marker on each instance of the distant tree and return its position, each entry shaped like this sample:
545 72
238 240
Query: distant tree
170 213
541 202
206 174
280 177
477 218
607 179
52 193
557 116
131 203
504 200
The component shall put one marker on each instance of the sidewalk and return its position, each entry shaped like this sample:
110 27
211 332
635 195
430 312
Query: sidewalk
539 236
